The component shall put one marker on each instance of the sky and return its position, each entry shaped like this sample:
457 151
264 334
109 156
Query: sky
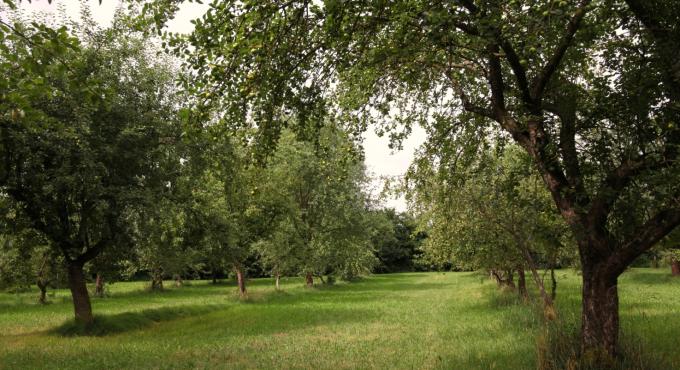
380 160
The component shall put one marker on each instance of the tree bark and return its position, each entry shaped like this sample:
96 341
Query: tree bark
549 311
497 277
309 280
156 280
278 280
241 282
522 284
509 279
81 298
99 286
178 280
553 287
675 266
43 292
600 315
214 276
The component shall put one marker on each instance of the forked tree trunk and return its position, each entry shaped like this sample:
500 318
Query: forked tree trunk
522 284
43 291
81 298
241 282
309 280
600 315
675 266
99 286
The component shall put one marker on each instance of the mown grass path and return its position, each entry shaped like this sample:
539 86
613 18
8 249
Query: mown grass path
405 321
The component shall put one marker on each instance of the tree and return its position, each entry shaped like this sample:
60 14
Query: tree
162 250
492 213
396 241
319 210
589 89
670 249
86 117
26 259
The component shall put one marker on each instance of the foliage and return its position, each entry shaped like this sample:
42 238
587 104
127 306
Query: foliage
490 216
396 241
322 225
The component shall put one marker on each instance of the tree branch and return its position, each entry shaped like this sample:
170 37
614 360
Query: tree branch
565 110
644 238
541 81
518 70
611 188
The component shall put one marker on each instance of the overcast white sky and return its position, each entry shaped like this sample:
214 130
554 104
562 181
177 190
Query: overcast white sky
380 160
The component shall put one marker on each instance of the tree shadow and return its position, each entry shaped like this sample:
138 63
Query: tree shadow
128 321
649 277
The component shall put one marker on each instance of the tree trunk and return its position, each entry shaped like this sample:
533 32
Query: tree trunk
81 298
509 279
553 287
599 316
241 282
43 292
178 280
214 276
309 280
497 277
675 266
278 279
99 286
549 311
156 280
522 284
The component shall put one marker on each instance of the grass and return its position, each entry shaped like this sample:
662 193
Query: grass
403 321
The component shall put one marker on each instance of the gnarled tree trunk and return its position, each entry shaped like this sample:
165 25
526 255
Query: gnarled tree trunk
241 282
81 298
600 313
309 280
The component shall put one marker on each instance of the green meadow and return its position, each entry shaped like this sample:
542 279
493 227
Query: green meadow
396 321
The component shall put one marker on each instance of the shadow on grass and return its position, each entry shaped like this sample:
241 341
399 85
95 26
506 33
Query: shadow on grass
659 276
129 321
